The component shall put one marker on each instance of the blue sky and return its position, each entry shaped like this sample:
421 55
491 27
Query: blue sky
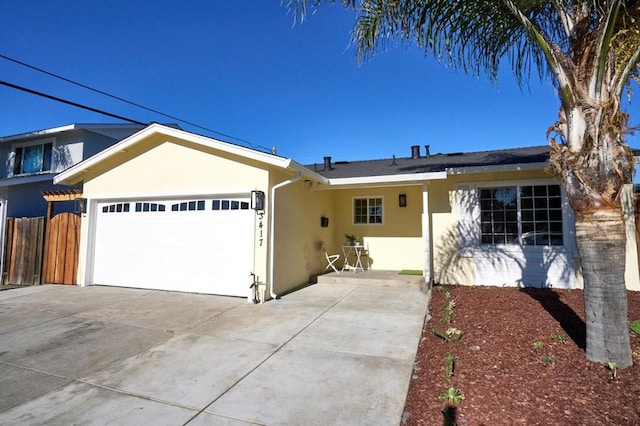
240 67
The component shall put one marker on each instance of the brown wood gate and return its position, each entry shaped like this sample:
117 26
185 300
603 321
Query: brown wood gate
23 251
60 264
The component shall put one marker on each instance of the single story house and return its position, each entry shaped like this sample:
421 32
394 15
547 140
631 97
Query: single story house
168 209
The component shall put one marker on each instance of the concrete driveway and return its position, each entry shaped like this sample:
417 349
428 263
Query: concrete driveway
327 354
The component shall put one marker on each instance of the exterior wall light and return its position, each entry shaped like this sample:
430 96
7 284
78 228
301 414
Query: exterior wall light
257 200
81 205
402 200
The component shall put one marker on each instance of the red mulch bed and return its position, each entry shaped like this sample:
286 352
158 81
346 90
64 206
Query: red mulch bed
506 379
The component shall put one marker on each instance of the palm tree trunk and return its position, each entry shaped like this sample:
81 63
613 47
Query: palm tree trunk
601 240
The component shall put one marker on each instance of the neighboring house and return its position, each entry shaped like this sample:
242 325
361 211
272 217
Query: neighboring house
31 160
168 209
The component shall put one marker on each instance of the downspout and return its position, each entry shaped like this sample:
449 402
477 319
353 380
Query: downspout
272 226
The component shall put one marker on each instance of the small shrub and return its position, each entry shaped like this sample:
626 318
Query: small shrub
635 326
450 335
613 369
453 396
559 338
450 360
447 309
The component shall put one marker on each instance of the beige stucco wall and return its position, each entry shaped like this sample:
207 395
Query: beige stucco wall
170 167
160 167
298 256
395 244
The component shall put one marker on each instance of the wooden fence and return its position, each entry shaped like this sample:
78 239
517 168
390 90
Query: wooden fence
61 252
23 251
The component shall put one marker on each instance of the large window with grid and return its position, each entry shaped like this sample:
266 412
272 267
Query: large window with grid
367 210
527 214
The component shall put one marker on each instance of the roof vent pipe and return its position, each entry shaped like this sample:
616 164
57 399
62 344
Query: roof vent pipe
327 163
415 151
427 152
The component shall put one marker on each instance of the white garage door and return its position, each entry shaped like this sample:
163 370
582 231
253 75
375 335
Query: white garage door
198 245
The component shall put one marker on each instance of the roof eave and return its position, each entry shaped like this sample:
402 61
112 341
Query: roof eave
388 179
305 171
73 175
496 168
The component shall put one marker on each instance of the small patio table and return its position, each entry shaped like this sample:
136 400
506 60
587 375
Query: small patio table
355 252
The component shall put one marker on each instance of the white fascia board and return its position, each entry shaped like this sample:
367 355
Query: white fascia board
37 133
388 179
496 168
307 172
72 174
22 180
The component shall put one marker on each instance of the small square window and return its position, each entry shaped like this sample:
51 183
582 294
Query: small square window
367 210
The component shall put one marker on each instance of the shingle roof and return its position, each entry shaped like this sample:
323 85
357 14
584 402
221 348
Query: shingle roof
434 163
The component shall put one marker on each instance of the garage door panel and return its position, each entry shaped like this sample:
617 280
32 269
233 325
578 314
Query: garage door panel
207 251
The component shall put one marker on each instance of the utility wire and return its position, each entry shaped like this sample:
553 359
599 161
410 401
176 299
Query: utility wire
45 95
84 86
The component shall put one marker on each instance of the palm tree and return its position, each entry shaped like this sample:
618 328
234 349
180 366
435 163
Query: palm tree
589 49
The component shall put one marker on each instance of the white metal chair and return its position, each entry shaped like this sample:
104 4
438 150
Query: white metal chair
331 259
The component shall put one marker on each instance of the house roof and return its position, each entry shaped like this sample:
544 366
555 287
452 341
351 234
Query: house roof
67 128
517 159
76 173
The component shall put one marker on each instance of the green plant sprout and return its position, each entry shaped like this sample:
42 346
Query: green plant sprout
449 304
538 344
559 338
549 358
613 369
635 326
453 396
450 335
449 360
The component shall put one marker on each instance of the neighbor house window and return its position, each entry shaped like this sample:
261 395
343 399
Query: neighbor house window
30 159
528 215
367 210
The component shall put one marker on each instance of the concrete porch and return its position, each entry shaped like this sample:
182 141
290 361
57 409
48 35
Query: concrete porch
374 278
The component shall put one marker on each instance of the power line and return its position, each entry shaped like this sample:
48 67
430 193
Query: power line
65 101
118 98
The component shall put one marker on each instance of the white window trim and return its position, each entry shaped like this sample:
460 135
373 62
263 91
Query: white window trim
12 156
367 197
468 220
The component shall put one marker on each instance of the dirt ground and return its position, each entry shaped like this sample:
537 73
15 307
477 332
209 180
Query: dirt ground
520 360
